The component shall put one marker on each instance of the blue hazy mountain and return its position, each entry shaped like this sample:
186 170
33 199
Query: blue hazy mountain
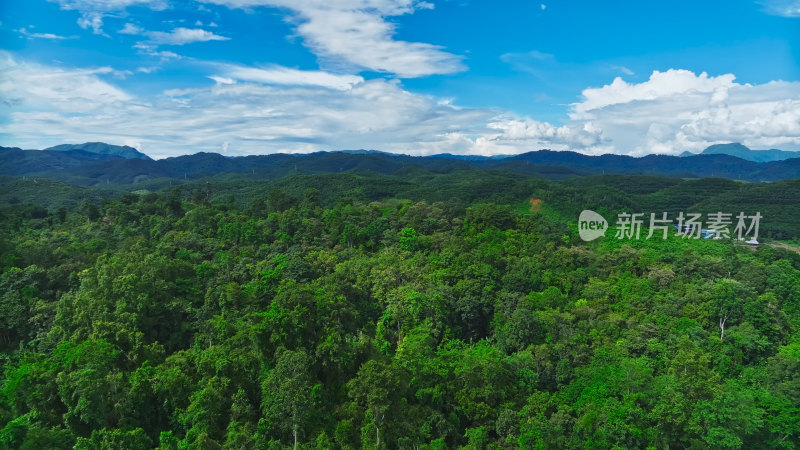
101 148
743 152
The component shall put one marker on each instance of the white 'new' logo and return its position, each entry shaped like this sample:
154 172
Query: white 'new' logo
591 225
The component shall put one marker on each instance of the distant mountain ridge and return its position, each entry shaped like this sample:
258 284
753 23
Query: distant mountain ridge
101 148
741 151
82 166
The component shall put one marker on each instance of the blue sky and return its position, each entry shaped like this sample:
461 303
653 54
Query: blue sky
173 77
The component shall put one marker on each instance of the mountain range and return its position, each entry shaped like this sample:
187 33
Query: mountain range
743 152
96 164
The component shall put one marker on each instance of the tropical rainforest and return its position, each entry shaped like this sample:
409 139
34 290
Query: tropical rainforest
418 310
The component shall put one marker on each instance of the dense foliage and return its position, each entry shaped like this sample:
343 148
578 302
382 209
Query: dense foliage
307 319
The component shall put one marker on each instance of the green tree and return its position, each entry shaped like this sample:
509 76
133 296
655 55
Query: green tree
288 397
378 388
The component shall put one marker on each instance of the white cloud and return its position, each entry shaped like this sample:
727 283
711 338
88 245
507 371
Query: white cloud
259 110
356 34
165 55
93 11
33 87
660 84
771 123
542 134
178 36
49 105
352 34
181 36
93 21
677 110
222 80
286 76
785 8
148 69
24 31
130 28
199 23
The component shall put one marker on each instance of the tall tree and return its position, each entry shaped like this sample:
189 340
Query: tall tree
288 399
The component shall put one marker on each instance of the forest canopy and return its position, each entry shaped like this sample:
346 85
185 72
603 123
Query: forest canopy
349 311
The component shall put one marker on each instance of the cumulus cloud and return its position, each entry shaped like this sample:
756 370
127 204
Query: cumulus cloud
93 11
356 33
677 110
784 8
762 124
660 85
527 133
257 110
178 36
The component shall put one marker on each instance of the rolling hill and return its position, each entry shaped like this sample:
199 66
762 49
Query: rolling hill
101 148
94 168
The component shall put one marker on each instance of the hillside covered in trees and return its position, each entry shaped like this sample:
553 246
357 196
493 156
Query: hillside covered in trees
417 310
103 165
